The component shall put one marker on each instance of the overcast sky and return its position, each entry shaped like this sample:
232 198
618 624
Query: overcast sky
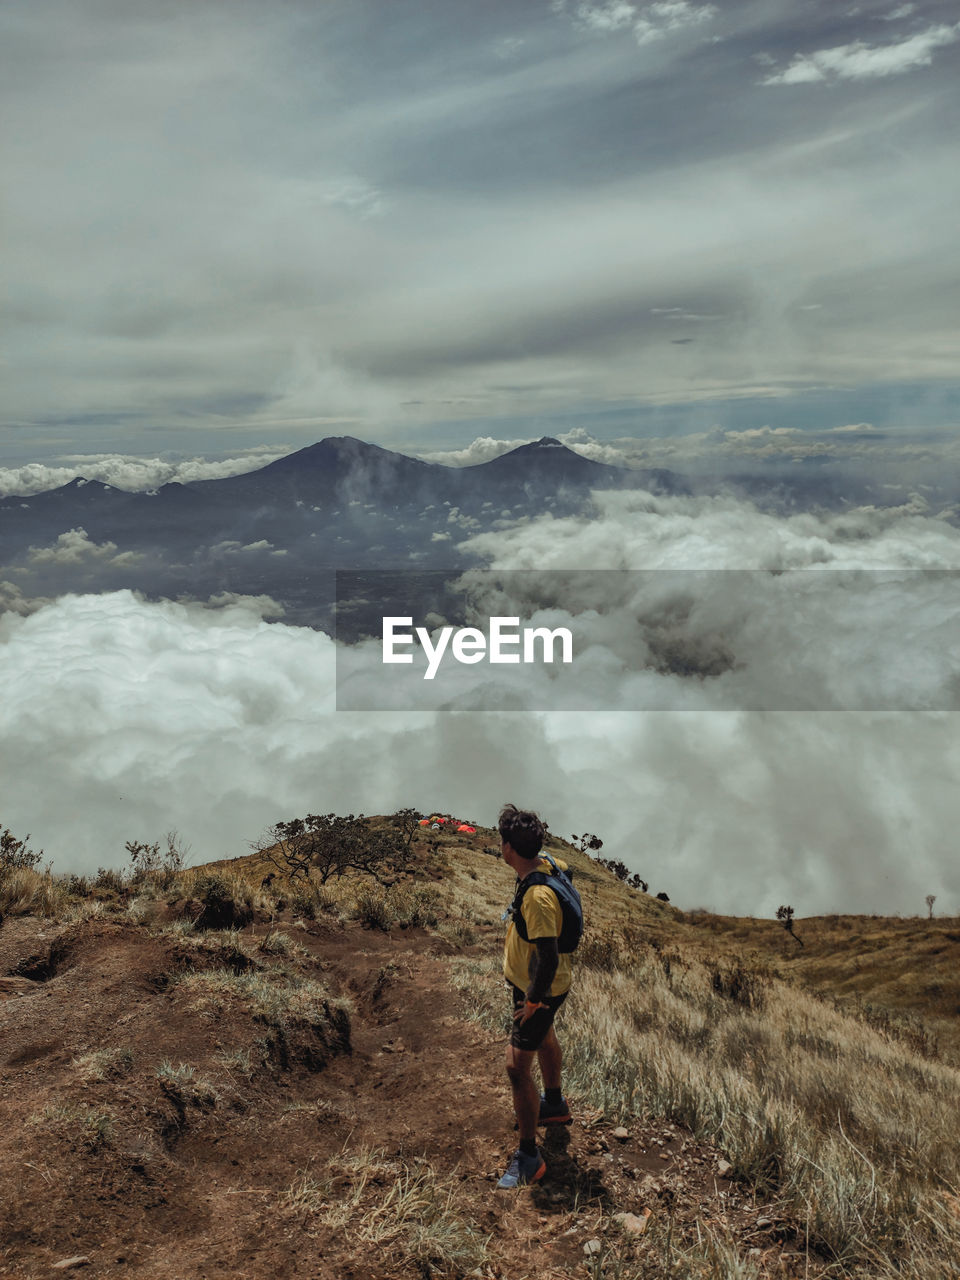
227 225
670 234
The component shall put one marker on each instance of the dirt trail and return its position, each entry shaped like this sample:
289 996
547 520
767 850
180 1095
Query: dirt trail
188 1160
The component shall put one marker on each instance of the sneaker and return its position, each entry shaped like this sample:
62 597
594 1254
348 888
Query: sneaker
522 1171
554 1113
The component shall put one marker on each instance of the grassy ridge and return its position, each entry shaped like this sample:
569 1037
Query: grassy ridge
853 1131
726 1026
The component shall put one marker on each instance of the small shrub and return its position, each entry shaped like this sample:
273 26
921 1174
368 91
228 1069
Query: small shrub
110 880
276 943
419 908
310 900
372 908
15 855
460 932
160 867
226 901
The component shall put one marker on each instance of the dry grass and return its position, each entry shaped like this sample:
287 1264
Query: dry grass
381 908
88 1128
104 1064
182 1084
714 1255
24 892
278 997
406 1210
853 1131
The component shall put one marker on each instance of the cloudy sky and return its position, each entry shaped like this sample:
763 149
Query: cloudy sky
670 234
428 220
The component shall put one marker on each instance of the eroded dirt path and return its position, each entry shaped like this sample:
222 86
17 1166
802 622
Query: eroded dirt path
208 1142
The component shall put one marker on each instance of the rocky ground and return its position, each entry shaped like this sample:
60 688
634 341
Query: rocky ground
170 1109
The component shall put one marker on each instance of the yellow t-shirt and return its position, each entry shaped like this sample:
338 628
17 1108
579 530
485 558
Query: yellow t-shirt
543 917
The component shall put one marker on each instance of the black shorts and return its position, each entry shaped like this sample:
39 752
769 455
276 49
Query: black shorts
534 1030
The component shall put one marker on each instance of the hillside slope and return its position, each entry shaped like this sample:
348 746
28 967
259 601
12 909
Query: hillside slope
319 1092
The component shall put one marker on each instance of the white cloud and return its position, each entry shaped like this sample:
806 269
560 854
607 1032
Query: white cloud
614 15
482 449
647 22
859 61
870 450
75 547
13 600
636 530
871 632
670 15
133 474
120 719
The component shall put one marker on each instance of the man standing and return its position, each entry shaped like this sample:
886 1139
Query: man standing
539 977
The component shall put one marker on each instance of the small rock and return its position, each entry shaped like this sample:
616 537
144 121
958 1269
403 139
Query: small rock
592 1247
723 1167
621 1134
764 1222
664 1155
632 1224
81 1260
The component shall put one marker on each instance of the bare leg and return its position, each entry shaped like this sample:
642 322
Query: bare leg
550 1058
526 1099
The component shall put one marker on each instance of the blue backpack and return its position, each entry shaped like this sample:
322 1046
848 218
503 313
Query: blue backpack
561 882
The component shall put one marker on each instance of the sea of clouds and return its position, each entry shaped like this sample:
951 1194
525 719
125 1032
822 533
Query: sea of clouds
129 472
122 718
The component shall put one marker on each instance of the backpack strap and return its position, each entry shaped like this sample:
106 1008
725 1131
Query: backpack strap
534 878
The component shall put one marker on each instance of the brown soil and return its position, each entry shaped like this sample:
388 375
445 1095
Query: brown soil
147 1177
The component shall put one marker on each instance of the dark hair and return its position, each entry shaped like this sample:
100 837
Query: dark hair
521 829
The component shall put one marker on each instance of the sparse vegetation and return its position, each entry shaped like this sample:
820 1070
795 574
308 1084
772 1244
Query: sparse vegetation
148 863
835 1107
15 854
379 908
24 891
105 1064
329 845
285 1002
847 1127
406 1209
785 915
89 1128
276 943
184 1087
222 901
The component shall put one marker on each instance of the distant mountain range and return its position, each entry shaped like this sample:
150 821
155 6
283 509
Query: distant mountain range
341 503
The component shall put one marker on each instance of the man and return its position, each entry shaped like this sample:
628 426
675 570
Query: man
539 977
